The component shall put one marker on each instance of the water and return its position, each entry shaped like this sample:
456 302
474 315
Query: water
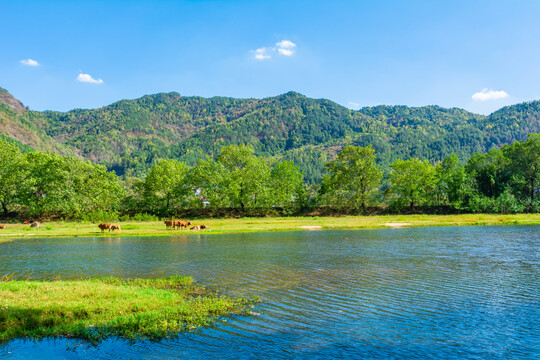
452 293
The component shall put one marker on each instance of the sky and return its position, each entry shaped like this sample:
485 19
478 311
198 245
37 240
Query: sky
476 55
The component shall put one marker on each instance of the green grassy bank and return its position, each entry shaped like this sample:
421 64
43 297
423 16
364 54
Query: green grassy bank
96 309
243 225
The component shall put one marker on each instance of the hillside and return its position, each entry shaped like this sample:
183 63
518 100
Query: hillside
130 135
26 128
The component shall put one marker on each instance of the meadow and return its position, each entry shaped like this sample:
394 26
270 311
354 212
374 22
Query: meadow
246 225
95 309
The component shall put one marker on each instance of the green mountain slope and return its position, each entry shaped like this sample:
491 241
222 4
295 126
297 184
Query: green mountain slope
25 128
130 135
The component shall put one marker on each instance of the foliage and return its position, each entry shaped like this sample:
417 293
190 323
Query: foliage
67 187
451 183
412 182
165 187
131 136
353 177
12 170
524 165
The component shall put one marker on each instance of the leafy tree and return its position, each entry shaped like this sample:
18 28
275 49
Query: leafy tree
524 165
490 172
285 185
210 181
97 190
166 186
451 182
353 177
66 186
12 172
47 188
247 176
412 182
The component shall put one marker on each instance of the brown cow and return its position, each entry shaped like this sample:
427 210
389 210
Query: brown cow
104 226
181 224
2 226
114 227
169 223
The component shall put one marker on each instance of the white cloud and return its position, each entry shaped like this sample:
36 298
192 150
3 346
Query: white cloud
286 52
284 47
29 62
286 44
487 94
88 79
262 54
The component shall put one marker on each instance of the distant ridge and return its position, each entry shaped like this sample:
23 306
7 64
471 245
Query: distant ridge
131 135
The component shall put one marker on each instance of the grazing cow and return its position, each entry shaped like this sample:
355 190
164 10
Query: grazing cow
34 224
169 223
114 227
104 226
2 226
198 227
181 224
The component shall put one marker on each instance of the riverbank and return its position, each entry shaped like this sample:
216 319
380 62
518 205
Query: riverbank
95 309
244 225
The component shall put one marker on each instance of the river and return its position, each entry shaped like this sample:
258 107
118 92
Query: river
422 293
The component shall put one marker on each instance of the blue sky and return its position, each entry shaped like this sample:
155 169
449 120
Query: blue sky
476 55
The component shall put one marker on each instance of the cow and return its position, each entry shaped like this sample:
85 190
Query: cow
2 226
198 227
104 226
34 224
181 224
169 223
114 227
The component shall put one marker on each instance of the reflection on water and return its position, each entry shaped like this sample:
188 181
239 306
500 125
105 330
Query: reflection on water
469 292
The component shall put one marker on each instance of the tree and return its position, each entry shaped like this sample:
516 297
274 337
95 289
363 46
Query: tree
451 180
47 189
67 186
411 182
12 169
353 177
166 187
524 166
210 180
490 172
246 175
285 184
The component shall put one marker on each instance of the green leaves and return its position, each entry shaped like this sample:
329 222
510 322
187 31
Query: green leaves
165 187
12 169
353 177
412 182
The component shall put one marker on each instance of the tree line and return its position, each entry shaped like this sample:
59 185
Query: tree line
504 180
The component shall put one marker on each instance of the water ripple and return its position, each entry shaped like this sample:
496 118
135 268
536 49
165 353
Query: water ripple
453 293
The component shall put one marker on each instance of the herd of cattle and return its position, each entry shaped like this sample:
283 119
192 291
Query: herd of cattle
174 224
111 227
181 224
32 223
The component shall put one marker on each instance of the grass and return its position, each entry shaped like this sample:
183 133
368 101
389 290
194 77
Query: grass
222 226
95 309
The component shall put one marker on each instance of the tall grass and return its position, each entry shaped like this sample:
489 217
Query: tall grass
96 309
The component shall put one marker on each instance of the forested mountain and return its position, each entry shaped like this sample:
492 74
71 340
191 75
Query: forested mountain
26 128
129 136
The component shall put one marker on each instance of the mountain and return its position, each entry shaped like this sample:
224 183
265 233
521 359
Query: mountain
129 136
26 128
